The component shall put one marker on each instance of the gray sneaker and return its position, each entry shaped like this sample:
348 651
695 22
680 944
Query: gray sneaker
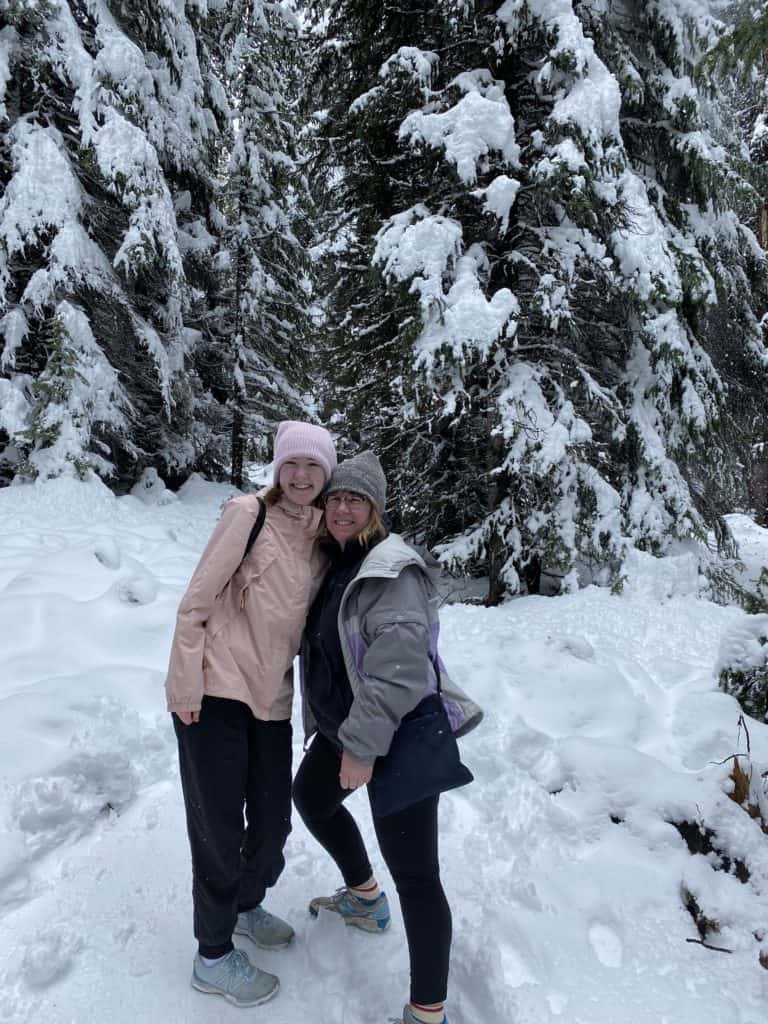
264 929
235 978
370 915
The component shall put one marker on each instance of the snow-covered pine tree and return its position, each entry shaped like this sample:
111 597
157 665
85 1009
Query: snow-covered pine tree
267 284
704 195
108 147
541 236
739 64
379 61
741 59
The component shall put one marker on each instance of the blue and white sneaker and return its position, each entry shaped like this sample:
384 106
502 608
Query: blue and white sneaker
264 929
235 978
369 915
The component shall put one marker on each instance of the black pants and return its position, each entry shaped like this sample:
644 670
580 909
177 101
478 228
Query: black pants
408 843
231 761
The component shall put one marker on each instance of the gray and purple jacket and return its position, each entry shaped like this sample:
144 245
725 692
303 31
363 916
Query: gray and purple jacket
388 626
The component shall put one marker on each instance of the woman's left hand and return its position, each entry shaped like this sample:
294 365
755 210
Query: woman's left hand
353 774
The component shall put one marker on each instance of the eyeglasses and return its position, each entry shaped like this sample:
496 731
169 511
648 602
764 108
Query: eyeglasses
353 501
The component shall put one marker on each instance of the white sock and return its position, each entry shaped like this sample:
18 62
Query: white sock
367 891
433 1014
216 960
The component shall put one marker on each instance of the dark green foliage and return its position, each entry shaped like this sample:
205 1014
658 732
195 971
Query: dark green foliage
749 687
115 248
438 460
180 268
266 287
599 415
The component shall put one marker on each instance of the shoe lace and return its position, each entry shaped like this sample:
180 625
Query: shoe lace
341 895
237 967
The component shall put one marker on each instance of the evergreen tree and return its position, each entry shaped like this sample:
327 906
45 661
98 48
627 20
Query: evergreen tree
703 205
267 281
377 76
110 140
740 64
538 247
741 58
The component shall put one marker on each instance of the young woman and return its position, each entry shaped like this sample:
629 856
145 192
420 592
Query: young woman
369 658
230 689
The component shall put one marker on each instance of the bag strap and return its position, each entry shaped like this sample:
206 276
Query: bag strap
436 666
256 528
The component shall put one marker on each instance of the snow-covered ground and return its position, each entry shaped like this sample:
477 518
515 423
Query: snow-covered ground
604 725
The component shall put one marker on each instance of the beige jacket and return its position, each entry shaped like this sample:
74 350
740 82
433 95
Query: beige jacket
239 626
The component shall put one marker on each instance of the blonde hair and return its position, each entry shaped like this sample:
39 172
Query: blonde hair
373 528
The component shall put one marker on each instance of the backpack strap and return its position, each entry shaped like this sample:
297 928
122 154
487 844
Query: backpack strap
256 528
438 675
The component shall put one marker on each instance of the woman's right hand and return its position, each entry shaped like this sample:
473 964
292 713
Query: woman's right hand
187 717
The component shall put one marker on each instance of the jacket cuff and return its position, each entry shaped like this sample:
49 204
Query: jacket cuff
366 759
184 705
350 744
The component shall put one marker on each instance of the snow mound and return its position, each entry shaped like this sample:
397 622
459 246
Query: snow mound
151 489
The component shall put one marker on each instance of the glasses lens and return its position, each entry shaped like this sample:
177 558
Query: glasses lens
351 501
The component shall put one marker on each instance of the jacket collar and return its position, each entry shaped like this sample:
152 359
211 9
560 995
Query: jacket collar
306 514
390 557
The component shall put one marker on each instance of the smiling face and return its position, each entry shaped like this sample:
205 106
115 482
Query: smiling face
346 515
301 480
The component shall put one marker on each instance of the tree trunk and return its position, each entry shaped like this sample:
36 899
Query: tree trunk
237 449
495 561
762 229
531 573
496 555
760 490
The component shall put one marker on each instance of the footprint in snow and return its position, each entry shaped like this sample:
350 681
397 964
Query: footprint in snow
577 646
141 588
49 957
108 553
606 945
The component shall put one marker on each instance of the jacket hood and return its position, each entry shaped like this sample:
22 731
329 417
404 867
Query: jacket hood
392 555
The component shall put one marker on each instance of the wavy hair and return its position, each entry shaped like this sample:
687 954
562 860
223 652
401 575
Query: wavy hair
373 528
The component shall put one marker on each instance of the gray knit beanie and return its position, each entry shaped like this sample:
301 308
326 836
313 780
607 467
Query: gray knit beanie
363 475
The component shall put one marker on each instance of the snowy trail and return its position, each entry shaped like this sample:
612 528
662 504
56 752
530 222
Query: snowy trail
563 870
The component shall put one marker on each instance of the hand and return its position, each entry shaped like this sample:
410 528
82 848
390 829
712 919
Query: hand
353 774
187 717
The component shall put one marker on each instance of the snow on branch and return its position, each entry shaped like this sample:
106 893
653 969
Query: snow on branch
418 64
9 39
469 131
78 391
43 194
425 251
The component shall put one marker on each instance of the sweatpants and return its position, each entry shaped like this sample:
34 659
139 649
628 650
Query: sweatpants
231 762
408 844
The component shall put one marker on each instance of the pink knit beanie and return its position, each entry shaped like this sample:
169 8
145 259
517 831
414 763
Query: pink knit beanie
295 440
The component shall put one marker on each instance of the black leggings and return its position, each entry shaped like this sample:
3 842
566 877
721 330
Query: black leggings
408 843
230 762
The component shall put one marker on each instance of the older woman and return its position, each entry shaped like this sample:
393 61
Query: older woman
369 663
